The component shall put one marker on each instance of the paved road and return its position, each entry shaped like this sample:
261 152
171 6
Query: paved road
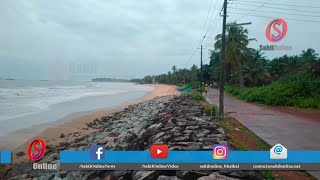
295 133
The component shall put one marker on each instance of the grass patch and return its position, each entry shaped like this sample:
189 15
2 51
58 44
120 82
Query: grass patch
225 125
2 167
212 110
268 175
196 95
241 137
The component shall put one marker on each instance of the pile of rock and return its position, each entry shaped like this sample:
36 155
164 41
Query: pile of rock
177 121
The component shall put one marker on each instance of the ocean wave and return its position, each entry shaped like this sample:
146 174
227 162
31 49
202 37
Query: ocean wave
25 100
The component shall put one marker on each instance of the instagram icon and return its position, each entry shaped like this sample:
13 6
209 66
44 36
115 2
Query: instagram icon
220 151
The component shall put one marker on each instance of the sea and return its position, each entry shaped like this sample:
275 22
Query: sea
25 104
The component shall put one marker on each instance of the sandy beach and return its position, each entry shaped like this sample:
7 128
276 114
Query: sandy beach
178 121
75 125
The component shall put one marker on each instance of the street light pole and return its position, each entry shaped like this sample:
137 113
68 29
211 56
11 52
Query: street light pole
201 78
240 24
222 62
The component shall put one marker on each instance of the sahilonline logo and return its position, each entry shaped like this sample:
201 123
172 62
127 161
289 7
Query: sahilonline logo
36 149
276 30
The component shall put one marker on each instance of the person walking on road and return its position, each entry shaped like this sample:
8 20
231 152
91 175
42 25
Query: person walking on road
206 89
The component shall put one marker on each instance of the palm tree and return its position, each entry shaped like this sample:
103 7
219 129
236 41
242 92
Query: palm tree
256 69
215 65
174 74
193 73
309 55
236 48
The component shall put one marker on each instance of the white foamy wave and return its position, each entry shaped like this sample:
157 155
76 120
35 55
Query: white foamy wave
45 103
25 100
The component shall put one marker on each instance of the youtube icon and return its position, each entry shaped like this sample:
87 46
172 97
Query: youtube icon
159 151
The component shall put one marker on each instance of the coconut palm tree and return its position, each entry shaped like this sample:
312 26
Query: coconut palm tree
256 70
309 55
236 48
308 58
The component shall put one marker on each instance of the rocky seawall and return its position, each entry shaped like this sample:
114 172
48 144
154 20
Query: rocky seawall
177 121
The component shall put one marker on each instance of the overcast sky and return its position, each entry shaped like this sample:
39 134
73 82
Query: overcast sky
42 39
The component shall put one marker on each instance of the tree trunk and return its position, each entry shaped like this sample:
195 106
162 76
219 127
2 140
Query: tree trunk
240 74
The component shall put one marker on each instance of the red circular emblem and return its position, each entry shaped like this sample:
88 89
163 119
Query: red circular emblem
276 30
36 149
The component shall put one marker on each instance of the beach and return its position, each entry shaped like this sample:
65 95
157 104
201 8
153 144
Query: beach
74 125
178 121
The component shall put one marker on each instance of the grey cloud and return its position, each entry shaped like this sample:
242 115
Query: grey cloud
122 37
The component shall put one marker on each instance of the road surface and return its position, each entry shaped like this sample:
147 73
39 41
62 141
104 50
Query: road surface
293 132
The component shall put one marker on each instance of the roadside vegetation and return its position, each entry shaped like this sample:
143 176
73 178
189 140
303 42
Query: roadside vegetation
196 95
251 76
299 90
282 81
2 167
212 110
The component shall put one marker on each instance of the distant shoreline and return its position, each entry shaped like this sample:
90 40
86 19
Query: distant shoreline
110 80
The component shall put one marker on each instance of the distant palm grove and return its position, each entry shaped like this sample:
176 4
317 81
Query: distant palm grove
282 81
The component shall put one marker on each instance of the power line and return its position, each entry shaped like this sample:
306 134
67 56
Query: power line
210 25
194 52
205 33
254 9
281 8
215 20
215 30
205 22
277 12
303 20
231 4
292 5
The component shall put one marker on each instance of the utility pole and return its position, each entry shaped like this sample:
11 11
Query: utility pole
222 62
201 75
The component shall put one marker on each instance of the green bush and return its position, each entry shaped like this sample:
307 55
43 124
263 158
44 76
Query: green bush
212 110
309 103
180 84
299 90
196 95
195 85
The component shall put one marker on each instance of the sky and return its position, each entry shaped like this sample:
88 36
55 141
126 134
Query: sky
70 40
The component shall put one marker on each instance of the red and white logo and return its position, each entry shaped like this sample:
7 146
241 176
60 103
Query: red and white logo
159 151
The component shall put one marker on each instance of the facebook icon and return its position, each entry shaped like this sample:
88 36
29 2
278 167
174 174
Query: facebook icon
96 152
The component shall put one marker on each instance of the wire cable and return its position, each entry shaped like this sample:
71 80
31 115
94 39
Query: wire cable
210 25
287 5
276 12
212 21
281 8
254 10
303 20
194 52
215 20
205 22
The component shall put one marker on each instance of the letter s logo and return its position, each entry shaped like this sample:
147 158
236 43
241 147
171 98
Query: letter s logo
280 27
36 149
